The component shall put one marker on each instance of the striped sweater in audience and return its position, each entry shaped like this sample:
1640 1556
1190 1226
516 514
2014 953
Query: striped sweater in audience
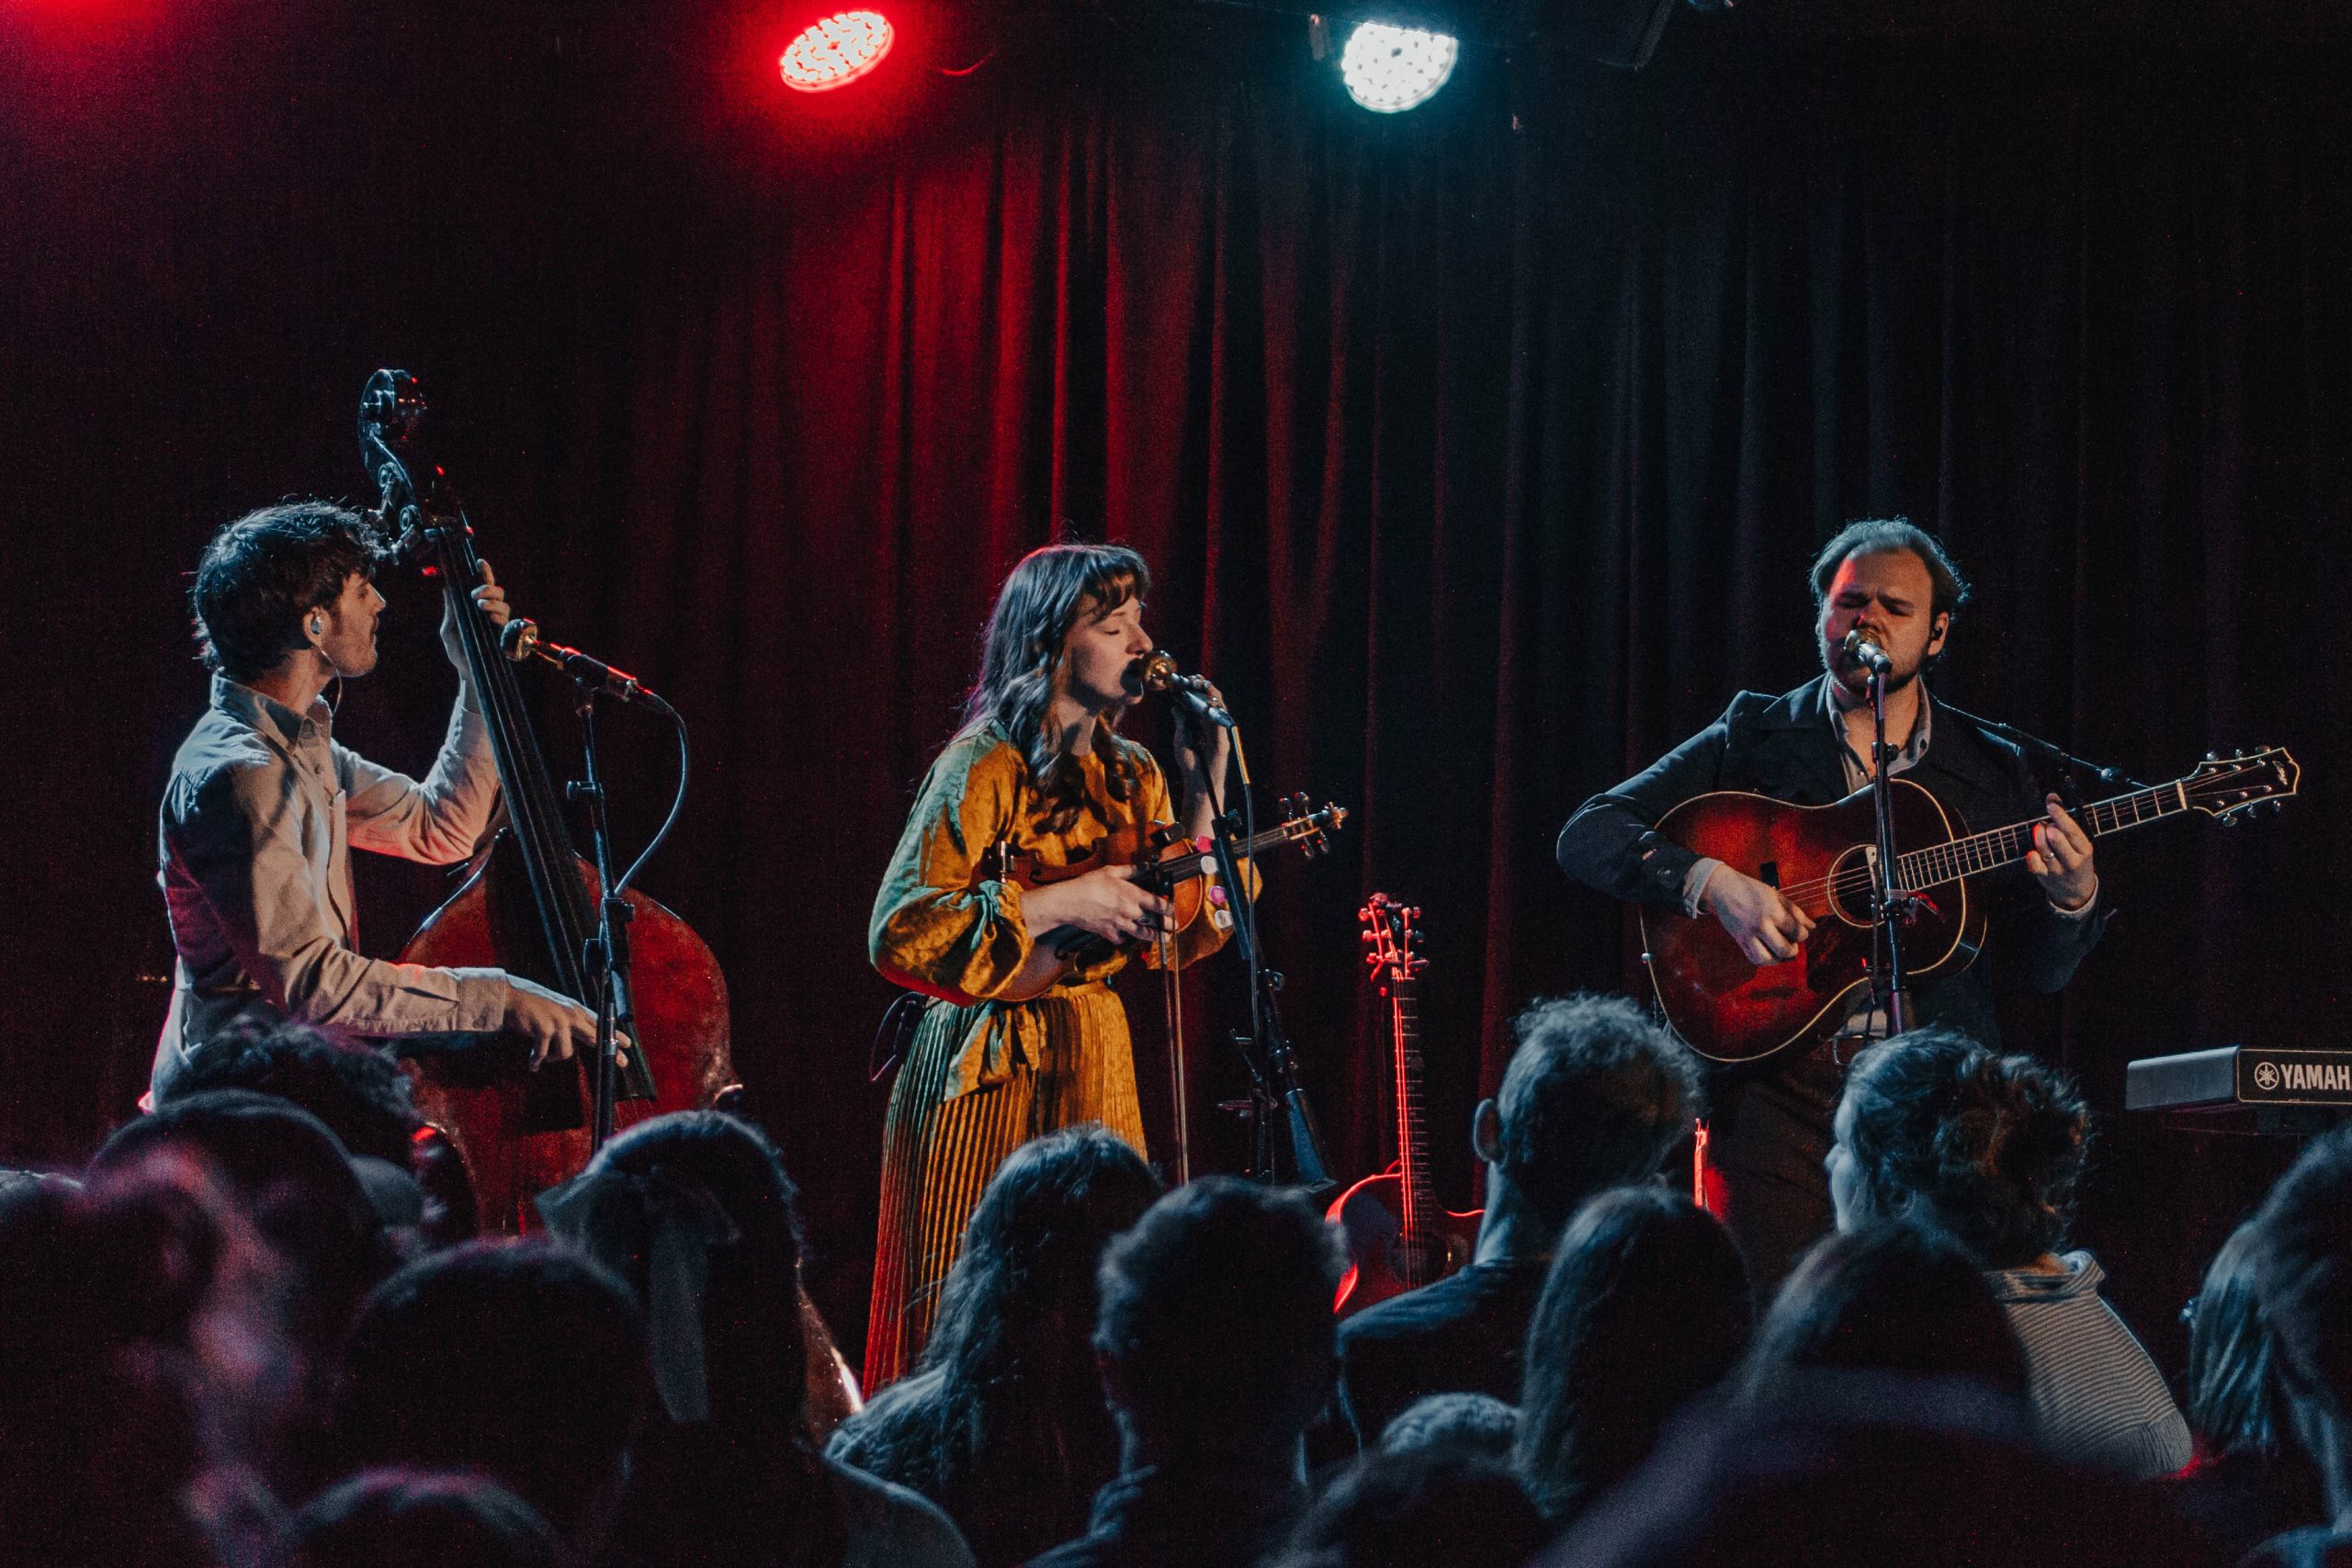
2098 1398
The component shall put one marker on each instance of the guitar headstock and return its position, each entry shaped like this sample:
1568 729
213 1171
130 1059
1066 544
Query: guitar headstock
1310 829
1392 940
2232 788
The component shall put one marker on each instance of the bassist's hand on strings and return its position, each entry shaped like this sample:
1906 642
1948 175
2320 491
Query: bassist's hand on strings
1767 928
557 1027
2060 860
1105 903
490 599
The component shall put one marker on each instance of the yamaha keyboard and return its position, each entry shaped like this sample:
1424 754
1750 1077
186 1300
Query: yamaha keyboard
2255 1088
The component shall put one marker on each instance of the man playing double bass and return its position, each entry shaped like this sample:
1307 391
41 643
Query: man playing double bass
1770 1129
263 807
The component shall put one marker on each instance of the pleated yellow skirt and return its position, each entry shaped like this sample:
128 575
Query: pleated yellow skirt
938 1154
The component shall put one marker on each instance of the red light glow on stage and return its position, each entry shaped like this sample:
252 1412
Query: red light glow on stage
837 50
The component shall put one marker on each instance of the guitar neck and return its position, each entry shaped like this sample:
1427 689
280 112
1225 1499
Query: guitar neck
2006 846
1412 1131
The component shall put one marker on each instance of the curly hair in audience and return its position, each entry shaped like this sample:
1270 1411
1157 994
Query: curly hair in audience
1987 1147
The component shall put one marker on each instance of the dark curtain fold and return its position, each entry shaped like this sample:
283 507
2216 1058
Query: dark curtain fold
1479 452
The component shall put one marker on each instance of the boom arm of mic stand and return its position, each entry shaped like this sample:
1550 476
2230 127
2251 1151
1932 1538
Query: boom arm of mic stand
2026 740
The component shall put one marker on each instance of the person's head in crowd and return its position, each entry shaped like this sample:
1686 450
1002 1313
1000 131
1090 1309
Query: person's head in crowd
1213 1336
288 1172
1893 1298
1647 1305
133 1333
2251 1478
1003 1424
1861 1470
291 1178
693 1211
421 1518
361 1095
1594 1096
1454 1423
523 1360
2235 1401
1986 1147
1388 1510
2303 1282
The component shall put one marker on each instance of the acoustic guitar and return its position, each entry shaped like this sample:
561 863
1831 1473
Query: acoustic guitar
1397 1238
1823 860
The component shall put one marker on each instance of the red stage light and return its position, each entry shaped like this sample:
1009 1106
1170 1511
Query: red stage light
837 50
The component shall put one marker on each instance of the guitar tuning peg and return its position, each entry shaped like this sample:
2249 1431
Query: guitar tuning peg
2212 756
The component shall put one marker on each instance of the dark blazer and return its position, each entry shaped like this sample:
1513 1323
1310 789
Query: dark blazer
1783 748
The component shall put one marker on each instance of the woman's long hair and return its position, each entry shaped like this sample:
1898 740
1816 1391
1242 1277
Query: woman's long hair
1027 634
1003 1424
1647 1305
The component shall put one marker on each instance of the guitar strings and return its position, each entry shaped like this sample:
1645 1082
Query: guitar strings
1947 861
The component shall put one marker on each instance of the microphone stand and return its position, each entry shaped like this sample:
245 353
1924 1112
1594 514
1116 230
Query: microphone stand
1274 1082
1892 907
605 956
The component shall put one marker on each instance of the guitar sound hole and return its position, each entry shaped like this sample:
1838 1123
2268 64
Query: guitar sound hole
1850 885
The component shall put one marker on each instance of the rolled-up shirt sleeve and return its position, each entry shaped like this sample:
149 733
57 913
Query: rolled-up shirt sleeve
240 838
438 820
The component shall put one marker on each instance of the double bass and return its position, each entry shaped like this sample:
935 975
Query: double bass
527 903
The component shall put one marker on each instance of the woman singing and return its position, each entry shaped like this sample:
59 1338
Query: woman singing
1039 771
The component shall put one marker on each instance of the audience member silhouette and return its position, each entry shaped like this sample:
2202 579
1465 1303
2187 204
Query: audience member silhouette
119 1309
2303 1282
410 1518
1215 1340
1003 1424
2251 1480
1646 1307
694 1212
1594 1096
1850 1468
293 1180
521 1361
1933 1126
1894 1297
1454 1423
361 1094
1462 1509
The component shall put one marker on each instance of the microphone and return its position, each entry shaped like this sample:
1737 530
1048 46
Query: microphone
1161 675
520 641
1867 653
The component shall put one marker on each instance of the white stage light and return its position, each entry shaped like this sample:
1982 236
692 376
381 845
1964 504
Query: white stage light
1388 69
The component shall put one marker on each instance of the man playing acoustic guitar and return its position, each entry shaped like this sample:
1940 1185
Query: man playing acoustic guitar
1893 583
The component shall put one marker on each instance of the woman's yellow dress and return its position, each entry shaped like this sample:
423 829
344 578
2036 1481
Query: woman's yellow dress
983 1076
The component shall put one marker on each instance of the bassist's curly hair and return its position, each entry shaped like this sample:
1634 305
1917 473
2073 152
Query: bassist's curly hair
261 574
